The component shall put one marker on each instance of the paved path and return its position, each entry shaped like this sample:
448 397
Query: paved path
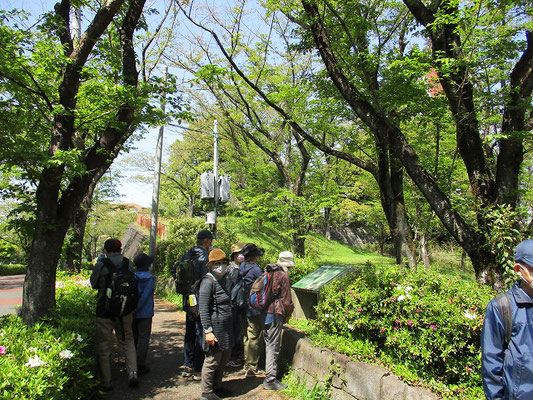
10 293
165 356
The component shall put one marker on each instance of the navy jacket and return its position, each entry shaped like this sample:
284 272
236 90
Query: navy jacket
250 272
146 287
508 372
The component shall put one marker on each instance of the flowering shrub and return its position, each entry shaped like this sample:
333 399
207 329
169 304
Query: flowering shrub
53 359
423 321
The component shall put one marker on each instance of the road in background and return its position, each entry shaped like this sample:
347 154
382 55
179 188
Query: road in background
10 293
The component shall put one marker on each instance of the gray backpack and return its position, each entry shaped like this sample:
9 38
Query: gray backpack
504 306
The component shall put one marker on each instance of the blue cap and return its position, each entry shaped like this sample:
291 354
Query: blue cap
524 252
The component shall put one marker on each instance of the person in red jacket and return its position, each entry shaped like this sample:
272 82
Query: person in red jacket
278 312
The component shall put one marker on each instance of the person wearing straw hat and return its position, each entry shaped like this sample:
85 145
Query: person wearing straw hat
215 314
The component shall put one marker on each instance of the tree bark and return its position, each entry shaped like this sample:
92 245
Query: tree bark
56 206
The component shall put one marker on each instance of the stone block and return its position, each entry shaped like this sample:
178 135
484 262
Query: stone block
392 388
416 393
363 381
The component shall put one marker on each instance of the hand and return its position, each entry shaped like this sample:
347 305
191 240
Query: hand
210 339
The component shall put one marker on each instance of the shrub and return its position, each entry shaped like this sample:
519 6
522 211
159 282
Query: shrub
421 320
13 269
52 359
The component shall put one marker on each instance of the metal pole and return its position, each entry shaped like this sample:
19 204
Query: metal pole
157 179
215 171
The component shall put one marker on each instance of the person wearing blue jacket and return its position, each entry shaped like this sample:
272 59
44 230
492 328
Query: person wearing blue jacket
253 320
507 368
142 316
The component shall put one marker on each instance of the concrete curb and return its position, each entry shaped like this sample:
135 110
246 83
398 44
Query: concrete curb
349 379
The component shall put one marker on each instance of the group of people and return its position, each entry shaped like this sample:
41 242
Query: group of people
132 330
223 333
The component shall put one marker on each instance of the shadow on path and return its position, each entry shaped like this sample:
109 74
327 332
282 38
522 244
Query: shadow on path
164 381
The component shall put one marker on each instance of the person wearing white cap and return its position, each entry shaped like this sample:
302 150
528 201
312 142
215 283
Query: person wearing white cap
286 260
507 335
277 313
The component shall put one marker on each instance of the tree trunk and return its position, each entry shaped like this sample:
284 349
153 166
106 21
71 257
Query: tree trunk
298 240
327 225
424 251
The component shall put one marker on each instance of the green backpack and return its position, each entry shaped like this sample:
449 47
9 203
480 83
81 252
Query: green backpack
184 278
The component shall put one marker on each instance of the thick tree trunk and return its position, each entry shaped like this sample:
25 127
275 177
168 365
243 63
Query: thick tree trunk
298 240
424 251
75 247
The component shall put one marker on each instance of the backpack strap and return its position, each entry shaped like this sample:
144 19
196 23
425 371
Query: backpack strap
504 306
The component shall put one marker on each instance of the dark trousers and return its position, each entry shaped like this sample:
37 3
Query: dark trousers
193 353
238 348
142 330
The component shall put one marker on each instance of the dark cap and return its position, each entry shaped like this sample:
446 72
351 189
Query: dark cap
143 260
113 245
204 234
524 252
250 250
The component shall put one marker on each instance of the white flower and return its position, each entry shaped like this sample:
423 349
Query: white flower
79 338
351 327
469 315
60 284
408 289
326 315
34 362
66 354
32 349
401 297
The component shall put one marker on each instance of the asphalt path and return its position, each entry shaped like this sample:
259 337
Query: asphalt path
10 293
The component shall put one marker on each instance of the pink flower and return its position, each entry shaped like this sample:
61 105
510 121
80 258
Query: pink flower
359 309
393 298
2 350
383 330
397 321
418 310
433 327
468 369
410 322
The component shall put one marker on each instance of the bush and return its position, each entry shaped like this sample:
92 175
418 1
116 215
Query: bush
181 235
13 269
52 359
421 321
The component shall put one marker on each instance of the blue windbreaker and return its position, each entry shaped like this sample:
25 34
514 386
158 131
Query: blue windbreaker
508 373
145 286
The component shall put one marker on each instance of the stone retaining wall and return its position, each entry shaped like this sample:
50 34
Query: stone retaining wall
349 379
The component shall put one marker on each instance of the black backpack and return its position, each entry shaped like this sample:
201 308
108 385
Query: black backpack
193 300
504 306
184 276
239 295
121 289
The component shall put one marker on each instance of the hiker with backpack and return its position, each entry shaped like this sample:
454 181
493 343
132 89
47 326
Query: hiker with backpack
238 304
271 294
143 314
116 300
216 317
507 335
188 272
252 319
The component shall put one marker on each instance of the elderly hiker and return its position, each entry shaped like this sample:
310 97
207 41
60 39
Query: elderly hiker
507 336
216 317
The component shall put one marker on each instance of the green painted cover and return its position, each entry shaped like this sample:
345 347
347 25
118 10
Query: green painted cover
320 277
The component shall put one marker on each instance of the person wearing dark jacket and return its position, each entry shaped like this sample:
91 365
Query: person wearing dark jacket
106 324
216 316
253 320
507 367
142 316
192 342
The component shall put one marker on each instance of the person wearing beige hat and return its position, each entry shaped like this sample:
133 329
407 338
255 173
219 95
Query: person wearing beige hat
215 314
286 260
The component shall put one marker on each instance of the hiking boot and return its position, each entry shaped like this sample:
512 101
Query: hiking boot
187 372
252 373
274 385
235 363
210 396
133 380
223 392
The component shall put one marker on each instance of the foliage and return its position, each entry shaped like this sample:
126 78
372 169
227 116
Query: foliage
52 359
298 390
13 269
8 252
421 322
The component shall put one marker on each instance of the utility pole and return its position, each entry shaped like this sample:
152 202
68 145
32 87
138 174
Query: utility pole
215 171
157 178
